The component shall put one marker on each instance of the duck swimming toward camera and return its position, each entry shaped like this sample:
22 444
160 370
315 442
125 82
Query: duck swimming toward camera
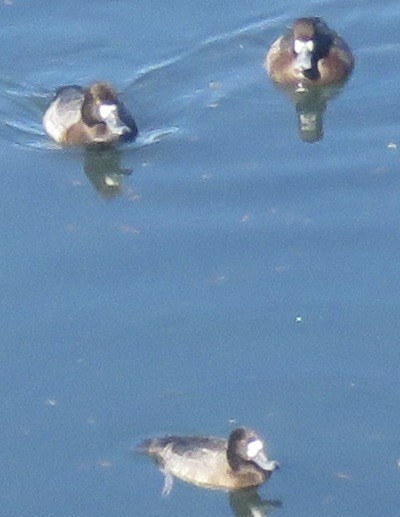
208 462
310 54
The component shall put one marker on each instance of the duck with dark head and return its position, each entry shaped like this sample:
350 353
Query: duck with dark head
310 63
84 116
310 54
215 463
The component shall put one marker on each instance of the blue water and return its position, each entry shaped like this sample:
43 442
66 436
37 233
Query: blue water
217 272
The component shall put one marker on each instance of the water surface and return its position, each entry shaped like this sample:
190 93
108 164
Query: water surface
217 272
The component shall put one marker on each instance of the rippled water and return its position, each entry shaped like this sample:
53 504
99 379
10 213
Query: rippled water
219 271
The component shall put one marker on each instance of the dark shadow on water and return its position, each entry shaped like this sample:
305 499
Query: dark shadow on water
103 168
248 503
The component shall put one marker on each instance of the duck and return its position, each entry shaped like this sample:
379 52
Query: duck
79 116
310 54
235 463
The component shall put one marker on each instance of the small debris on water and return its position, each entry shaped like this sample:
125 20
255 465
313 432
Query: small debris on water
343 475
214 85
51 402
105 464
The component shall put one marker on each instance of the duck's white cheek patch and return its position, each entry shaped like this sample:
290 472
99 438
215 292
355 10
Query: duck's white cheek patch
310 45
254 447
303 46
298 46
106 110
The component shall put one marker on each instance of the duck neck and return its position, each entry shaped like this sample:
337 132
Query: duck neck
87 106
233 460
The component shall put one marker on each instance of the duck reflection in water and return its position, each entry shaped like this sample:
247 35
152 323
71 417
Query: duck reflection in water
103 169
248 503
310 63
310 106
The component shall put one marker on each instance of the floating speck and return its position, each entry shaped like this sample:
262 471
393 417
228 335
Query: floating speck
346 476
70 228
214 85
128 229
218 279
105 464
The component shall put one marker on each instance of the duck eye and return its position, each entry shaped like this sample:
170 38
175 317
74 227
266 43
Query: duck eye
254 447
106 110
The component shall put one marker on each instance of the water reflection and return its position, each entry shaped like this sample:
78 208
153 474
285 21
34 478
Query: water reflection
310 105
103 168
248 503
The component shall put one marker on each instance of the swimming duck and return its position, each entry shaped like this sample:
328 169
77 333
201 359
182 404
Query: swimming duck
309 54
208 462
94 115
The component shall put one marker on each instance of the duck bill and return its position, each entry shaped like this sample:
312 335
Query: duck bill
303 60
119 128
264 463
115 124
